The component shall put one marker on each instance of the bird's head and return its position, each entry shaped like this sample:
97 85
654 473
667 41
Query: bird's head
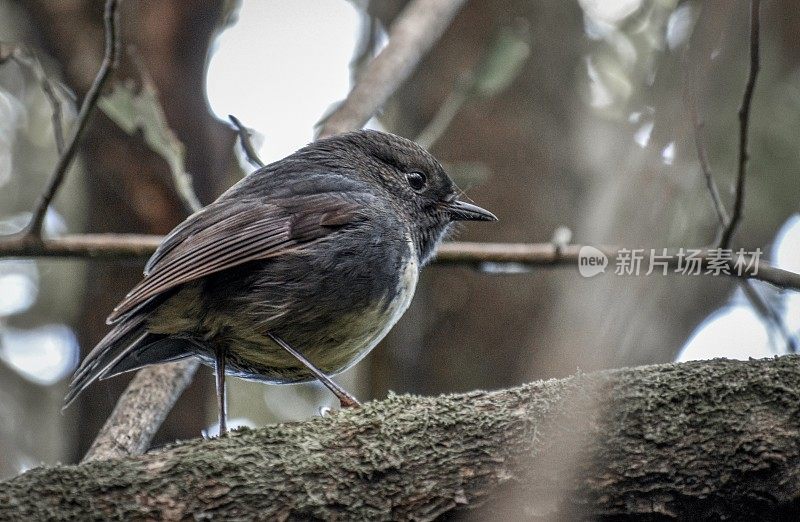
417 186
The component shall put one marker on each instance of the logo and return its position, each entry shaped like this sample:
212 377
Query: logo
591 261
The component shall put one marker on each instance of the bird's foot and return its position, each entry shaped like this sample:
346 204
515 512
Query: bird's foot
348 401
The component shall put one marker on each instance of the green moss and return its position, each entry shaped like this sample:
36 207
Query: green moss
706 438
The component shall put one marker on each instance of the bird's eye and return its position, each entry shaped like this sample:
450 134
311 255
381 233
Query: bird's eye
416 180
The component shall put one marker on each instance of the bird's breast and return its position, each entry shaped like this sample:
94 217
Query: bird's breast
334 334
361 330
404 293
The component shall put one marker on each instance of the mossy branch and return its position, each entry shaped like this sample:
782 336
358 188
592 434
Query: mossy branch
702 440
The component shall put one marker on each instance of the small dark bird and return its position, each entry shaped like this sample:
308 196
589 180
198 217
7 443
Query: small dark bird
295 273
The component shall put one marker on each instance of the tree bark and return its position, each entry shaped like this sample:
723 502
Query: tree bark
701 440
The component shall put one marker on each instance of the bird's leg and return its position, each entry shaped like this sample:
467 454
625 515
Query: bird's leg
219 368
345 399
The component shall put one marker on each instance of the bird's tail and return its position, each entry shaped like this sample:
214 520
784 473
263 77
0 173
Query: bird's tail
128 346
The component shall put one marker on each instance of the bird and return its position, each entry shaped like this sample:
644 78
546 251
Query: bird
294 273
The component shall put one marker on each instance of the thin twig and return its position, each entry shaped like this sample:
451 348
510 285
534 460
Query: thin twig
769 314
705 166
411 36
81 246
247 145
110 59
744 123
55 105
476 255
32 62
690 98
761 306
766 310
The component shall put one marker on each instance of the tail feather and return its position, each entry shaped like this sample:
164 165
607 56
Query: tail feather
125 339
127 347
115 341
153 351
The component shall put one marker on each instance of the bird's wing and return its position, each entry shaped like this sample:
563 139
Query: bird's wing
214 241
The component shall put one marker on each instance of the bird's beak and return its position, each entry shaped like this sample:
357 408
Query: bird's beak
461 211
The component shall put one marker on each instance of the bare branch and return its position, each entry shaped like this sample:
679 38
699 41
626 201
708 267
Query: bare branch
761 306
91 246
769 314
476 255
24 58
141 410
110 59
547 254
247 145
411 36
744 123
690 99
55 104
705 166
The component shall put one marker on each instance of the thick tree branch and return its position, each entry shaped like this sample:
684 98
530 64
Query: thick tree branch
411 36
744 123
110 59
703 440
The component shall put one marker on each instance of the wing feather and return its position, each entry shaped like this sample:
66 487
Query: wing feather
204 245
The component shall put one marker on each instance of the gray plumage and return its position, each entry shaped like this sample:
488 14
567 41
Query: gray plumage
321 248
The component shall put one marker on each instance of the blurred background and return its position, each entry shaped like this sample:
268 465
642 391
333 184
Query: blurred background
554 115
